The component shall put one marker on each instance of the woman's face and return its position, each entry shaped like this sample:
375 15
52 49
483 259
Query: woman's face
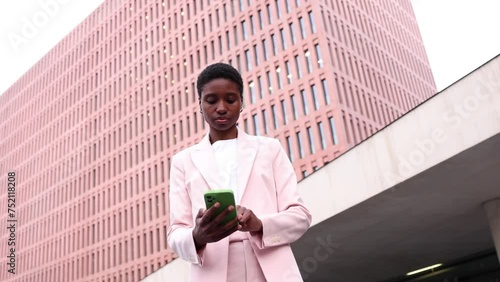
221 103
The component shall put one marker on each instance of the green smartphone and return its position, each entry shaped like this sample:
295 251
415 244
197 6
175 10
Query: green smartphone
225 197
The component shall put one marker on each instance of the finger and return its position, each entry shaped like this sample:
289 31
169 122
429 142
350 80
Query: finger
240 212
220 218
227 230
221 232
200 213
231 224
207 217
246 216
240 209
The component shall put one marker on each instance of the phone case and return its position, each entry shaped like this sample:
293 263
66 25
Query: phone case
226 198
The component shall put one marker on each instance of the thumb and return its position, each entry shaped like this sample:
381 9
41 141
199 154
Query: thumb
200 213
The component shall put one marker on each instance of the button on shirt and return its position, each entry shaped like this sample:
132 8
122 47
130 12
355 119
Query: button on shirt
225 158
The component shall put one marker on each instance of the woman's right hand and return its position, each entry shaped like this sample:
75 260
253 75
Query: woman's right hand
209 229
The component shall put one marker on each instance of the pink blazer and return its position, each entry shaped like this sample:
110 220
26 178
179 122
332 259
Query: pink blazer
268 185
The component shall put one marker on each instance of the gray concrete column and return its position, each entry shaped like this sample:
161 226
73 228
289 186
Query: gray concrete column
492 209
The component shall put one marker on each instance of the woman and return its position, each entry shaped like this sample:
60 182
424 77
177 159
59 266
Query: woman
270 213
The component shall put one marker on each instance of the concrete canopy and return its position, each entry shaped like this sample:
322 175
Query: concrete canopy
411 195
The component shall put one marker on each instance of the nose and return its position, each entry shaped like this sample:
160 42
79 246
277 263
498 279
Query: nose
221 107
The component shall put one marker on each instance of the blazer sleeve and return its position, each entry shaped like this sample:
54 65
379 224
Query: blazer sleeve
292 219
180 231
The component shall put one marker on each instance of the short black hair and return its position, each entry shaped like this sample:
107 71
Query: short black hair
219 70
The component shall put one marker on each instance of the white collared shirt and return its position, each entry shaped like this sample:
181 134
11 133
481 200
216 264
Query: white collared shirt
225 152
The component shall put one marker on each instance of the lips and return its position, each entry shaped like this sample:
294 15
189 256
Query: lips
221 120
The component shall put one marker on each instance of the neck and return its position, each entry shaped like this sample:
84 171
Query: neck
215 136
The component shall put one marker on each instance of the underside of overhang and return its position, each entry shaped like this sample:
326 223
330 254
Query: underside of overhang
433 217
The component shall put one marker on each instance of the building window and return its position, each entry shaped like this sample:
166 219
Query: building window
297 65
269 82
245 121
244 29
304 101
195 121
294 107
275 45
252 25
289 147
311 21
292 33
269 16
275 116
221 49
301 146
325 92
278 11
251 87
212 45
318 56
308 60
235 34
283 39
322 135
310 138
302 28
288 72
283 109
217 18
333 130
264 49
261 20
261 89
278 77
256 54
264 120
255 124
232 7
248 60
315 96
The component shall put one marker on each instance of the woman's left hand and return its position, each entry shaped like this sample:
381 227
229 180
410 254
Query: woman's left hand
247 220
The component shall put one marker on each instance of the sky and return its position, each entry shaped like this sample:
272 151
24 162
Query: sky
29 29
458 35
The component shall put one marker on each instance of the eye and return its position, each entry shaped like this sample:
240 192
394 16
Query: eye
231 99
211 100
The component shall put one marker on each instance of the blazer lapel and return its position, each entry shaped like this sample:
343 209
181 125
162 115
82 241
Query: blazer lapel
247 151
203 158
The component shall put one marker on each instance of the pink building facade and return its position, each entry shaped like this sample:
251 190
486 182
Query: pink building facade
91 128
